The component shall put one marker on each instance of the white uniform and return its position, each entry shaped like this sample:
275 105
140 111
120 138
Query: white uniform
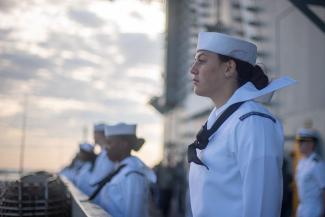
127 194
244 158
88 178
82 180
71 173
310 178
103 166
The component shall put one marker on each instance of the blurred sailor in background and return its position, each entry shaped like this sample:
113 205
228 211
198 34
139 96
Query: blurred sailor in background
310 176
89 177
125 192
85 158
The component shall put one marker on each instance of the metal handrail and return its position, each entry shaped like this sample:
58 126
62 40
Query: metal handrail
81 207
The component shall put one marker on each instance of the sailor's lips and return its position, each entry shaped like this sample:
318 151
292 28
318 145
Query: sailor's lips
195 82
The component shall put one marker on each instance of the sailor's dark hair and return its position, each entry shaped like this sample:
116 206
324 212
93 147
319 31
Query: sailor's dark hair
248 72
133 140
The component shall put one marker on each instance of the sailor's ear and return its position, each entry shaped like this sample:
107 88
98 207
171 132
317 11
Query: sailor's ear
230 68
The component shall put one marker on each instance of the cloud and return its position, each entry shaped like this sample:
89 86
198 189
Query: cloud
136 15
76 63
62 86
9 107
104 39
7 5
19 69
59 105
79 63
23 63
66 42
131 44
85 18
4 33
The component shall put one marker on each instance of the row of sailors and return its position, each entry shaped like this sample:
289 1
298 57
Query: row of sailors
114 180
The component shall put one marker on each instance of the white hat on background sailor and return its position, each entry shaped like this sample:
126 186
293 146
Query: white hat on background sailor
100 127
120 129
307 134
99 131
86 147
123 129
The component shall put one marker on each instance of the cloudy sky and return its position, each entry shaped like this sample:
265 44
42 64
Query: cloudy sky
77 63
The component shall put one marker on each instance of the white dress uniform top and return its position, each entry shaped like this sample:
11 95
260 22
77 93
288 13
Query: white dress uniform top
244 158
83 179
127 194
73 172
92 174
103 166
89 178
310 178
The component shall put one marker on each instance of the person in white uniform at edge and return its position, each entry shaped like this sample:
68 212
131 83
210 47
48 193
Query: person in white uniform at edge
310 176
88 157
90 176
84 159
237 171
126 193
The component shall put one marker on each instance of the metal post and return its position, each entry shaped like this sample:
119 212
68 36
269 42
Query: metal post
23 137
85 133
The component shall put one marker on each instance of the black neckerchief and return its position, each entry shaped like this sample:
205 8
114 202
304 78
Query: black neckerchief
202 137
105 180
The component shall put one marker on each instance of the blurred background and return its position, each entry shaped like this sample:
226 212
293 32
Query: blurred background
66 65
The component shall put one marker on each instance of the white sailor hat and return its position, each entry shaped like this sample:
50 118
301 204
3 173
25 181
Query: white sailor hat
120 129
306 134
123 129
228 46
99 127
87 147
